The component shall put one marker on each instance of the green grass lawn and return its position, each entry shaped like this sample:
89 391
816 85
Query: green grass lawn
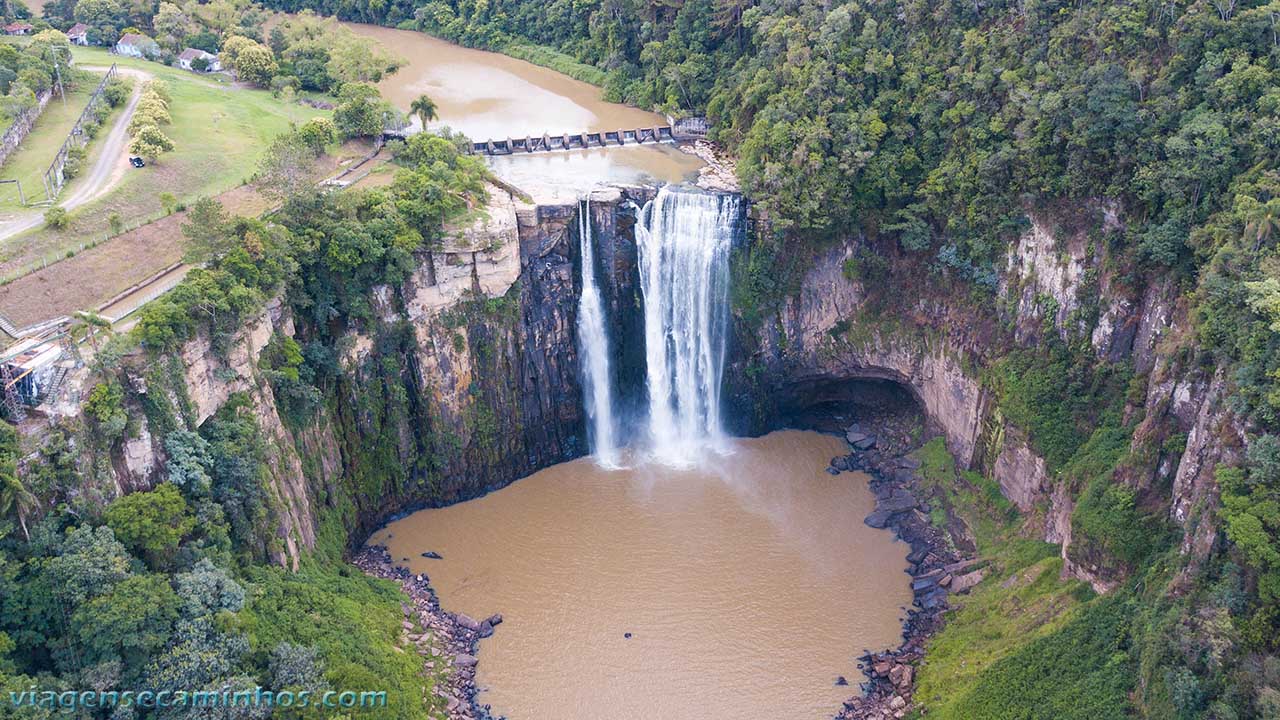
29 163
220 131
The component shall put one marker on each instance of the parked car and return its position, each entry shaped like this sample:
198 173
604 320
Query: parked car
136 161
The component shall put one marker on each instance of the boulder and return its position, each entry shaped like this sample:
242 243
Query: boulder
962 583
879 519
464 660
898 502
901 676
933 600
923 584
485 630
468 622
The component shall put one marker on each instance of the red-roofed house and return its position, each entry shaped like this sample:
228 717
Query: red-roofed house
19 28
79 34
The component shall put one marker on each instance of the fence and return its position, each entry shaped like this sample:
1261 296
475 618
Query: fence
22 125
54 178
60 254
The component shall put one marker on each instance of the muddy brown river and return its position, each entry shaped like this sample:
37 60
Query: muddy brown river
491 96
747 585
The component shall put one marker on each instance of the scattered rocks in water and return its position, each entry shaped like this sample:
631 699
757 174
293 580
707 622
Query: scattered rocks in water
626 635
445 637
432 555
879 444
840 681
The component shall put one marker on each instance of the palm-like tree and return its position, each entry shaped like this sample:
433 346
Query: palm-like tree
16 500
87 326
1261 219
425 108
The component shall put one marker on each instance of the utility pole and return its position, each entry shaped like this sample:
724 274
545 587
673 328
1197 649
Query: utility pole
57 70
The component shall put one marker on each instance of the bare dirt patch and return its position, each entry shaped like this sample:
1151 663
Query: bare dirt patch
95 275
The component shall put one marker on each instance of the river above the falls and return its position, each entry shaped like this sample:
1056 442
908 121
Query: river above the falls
748 585
488 96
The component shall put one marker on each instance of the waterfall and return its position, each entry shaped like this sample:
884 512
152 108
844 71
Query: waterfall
593 350
684 238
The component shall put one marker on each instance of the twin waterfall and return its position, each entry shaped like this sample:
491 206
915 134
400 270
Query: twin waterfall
593 344
684 239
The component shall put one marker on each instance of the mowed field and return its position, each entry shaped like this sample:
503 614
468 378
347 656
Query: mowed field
220 132
33 156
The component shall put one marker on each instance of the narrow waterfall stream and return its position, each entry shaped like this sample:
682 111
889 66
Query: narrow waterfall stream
593 349
684 239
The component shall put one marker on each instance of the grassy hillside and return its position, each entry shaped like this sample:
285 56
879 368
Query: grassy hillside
219 131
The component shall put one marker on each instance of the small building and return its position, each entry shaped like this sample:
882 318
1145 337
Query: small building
139 46
191 55
19 28
29 372
78 34
689 128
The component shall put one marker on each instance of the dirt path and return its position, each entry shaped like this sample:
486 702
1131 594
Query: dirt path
96 275
105 173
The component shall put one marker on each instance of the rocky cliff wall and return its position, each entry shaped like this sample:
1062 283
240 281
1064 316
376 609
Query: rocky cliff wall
1058 279
467 376
465 379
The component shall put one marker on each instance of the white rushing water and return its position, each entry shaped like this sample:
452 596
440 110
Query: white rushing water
593 349
684 239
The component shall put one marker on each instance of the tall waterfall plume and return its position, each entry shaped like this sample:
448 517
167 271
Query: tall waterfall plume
593 350
684 239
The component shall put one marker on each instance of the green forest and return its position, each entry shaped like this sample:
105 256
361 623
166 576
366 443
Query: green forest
936 129
180 587
932 130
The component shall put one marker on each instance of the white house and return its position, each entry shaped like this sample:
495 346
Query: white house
79 34
140 46
190 55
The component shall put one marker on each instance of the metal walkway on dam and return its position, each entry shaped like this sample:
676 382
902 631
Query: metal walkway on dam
574 141
565 141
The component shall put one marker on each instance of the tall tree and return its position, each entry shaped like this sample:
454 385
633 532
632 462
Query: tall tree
425 108
15 499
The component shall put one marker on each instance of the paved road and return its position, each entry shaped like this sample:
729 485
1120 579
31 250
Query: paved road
105 173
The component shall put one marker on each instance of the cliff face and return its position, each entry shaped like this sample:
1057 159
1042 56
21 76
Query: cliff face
467 377
465 380
1058 279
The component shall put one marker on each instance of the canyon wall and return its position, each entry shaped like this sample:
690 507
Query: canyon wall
466 378
1058 279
